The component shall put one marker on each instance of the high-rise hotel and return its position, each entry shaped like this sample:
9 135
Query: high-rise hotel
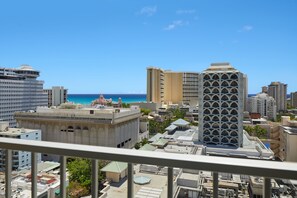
165 86
278 91
20 91
221 104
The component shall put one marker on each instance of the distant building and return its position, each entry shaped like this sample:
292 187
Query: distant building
21 159
221 105
20 91
294 99
245 92
264 89
278 91
165 86
100 126
155 85
190 88
56 96
264 104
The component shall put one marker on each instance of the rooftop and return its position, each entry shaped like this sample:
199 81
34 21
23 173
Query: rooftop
115 167
219 67
106 115
148 147
5 131
180 122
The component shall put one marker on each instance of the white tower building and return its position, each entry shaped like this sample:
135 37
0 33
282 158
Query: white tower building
263 104
221 104
278 91
20 91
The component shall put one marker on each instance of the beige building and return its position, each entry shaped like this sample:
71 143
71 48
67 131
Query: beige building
169 87
288 140
102 127
173 87
155 85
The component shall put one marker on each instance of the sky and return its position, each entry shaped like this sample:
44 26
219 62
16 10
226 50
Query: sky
105 46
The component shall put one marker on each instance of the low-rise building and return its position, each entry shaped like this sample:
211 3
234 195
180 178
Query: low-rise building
21 159
100 126
288 140
48 182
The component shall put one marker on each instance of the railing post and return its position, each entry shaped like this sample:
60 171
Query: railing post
130 180
34 175
215 186
63 176
267 188
170 182
8 169
94 178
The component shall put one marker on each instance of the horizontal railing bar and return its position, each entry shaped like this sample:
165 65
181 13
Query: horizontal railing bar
264 168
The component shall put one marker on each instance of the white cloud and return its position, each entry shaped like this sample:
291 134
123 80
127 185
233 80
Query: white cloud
185 11
148 10
246 28
175 24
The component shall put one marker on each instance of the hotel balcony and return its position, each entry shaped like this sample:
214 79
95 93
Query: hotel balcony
267 169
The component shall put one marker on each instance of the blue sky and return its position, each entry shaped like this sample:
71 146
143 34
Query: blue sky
105 46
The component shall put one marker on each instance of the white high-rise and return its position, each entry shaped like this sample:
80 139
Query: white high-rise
263 104
56 96
20 91
278 91
221 104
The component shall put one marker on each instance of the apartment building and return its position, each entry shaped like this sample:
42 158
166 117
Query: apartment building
288 140
56 95
264 104
294 99
155 85
20 91
21 159
221 105
278 91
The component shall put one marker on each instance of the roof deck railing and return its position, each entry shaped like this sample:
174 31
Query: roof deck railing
266 169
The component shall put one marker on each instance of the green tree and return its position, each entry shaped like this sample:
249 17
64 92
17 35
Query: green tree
158 126
145 111
249 130
177 113
125 105
80 175
260 132
137 145
141 143
256 131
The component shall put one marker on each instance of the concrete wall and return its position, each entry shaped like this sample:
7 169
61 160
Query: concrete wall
291 148
116 177
122 135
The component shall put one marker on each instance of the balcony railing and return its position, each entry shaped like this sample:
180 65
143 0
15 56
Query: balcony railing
266 169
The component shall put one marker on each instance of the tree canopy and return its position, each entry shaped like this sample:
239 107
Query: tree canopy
80 176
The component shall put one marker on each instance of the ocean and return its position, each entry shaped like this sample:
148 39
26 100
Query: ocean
86 99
